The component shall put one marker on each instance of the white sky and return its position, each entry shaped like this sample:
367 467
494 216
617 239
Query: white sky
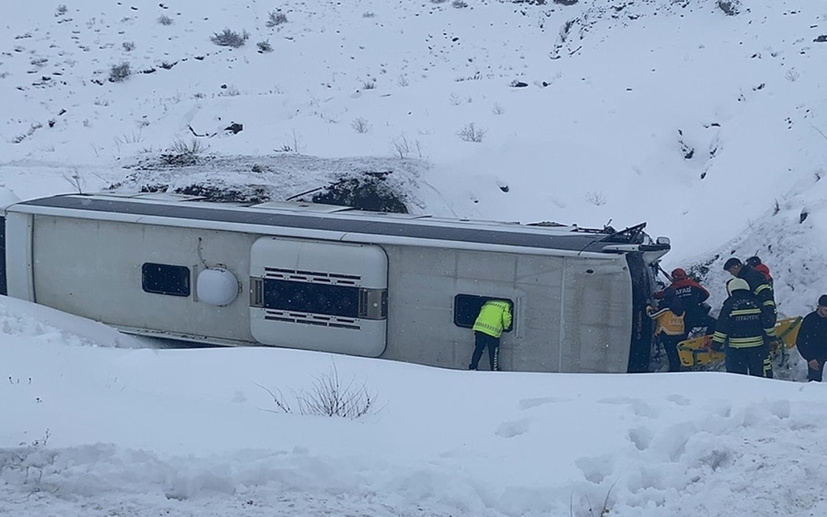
133 430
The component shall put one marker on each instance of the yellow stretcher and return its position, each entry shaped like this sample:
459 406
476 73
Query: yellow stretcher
696 352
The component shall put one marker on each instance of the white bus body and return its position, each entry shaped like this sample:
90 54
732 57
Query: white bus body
334 279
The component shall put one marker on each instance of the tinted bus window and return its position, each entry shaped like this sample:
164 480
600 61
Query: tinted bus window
165 279
334 300
467 307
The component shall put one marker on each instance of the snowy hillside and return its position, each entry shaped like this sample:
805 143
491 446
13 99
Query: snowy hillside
675 113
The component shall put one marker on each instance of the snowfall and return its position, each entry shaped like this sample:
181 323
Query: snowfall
706 119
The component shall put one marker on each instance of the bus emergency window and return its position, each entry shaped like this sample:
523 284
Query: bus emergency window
165 279
333 300
467 307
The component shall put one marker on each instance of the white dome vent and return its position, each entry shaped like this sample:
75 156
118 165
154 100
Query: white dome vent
216 286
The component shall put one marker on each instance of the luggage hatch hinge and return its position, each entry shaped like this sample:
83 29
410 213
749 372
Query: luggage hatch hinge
256 292
373 304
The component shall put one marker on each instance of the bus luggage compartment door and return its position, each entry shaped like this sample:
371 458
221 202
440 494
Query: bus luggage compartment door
330 297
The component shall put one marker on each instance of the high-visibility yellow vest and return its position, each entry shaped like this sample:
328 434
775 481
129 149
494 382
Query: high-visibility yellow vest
494 316
668 322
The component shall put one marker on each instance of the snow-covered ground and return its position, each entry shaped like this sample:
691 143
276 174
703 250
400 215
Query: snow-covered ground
94 430
710 127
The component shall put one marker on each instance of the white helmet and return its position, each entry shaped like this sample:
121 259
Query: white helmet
736 284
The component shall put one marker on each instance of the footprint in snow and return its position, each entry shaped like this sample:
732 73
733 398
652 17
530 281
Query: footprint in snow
512 429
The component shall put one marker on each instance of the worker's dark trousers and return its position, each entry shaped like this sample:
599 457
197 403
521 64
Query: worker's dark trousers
670 346
754 360
815 375
482 340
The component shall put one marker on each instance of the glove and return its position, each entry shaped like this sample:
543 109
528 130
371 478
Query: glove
716 346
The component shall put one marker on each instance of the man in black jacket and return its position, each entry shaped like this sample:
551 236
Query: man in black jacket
742 327
760 287
812 340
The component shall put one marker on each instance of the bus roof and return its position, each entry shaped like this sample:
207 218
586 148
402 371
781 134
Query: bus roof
310 216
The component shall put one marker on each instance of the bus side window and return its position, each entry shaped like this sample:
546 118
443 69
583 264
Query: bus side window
165 279
467 307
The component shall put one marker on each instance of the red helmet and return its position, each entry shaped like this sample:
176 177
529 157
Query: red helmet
678 274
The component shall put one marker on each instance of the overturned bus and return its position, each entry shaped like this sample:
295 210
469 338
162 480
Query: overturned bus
333 279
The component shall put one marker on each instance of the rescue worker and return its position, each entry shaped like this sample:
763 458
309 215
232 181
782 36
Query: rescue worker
669 321
494 317
755 263
740 331
812 340
761 289
693 298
